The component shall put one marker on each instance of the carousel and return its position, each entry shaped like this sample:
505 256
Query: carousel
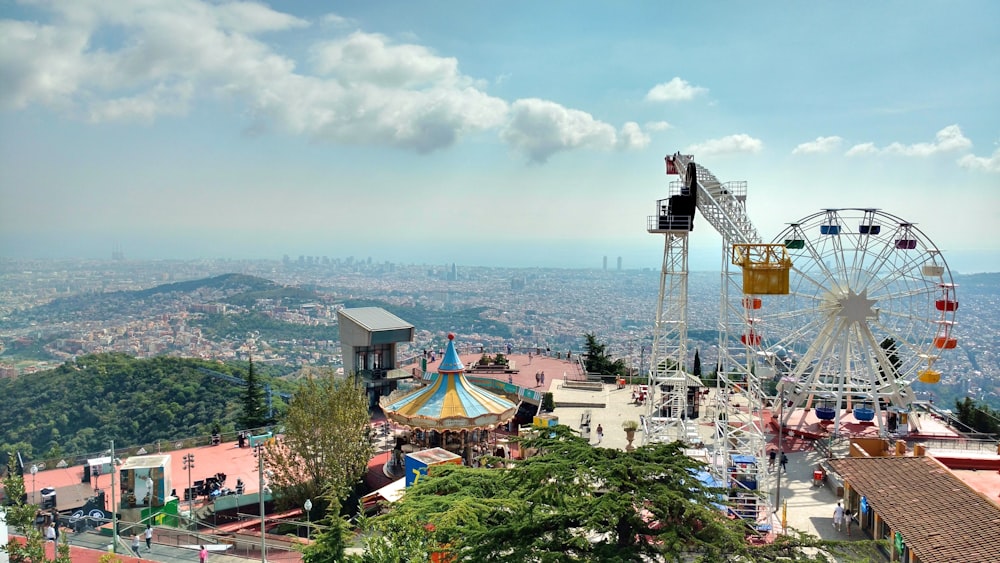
450 413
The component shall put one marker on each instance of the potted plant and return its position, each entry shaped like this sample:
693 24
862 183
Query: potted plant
630 426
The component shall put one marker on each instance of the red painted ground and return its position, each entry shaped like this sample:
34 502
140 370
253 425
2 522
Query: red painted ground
80 554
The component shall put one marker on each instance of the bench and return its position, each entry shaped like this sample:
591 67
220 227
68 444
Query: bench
497 369
585 385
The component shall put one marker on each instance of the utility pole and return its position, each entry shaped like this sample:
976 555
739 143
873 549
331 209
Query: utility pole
781 438
114 505
259 452
189 465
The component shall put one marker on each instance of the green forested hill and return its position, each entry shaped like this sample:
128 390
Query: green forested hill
80 406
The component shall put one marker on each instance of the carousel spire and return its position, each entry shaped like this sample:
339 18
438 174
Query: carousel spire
451 363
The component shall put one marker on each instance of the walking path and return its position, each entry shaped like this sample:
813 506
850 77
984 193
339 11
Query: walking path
809 507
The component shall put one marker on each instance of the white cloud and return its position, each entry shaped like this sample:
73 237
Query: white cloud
820 145
740 143
540 128
861 149
987 164
334 20
946 140
250 17
369 58
39 64
657 126
677 89
632 137
166 55
161 100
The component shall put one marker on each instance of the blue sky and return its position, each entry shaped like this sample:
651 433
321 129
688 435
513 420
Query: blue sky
514 133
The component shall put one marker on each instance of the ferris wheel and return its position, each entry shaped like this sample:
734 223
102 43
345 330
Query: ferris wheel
869 309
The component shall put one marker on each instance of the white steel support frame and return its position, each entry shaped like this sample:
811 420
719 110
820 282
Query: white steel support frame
669 346
739 431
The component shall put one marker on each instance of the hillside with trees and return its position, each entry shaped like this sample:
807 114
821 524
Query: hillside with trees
80 406
144 303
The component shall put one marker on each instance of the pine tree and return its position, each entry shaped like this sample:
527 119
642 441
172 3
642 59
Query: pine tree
254 413
598 360
574 502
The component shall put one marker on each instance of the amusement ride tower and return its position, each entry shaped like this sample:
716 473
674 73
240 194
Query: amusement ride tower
763 269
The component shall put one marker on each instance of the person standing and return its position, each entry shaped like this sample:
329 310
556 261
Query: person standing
771 456
149 538
784 462
50 532
838 516
202 555
600 433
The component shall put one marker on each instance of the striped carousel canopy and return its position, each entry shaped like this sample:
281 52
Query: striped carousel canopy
450 402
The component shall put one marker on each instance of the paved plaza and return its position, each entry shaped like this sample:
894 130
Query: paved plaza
809 507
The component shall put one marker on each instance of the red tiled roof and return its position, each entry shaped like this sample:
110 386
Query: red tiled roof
940 517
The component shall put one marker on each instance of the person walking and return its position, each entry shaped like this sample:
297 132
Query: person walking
784 462
202 555
149 538
838 516
771 456
600 433
848 516
135 543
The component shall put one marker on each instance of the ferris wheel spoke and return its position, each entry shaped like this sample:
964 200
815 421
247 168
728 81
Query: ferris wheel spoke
908 342
816 255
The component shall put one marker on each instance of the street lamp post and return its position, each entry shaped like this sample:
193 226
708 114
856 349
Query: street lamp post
189 465
308 506
781 438
34 471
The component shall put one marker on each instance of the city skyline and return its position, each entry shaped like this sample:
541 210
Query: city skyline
483 134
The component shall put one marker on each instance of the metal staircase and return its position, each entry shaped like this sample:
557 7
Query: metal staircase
739 450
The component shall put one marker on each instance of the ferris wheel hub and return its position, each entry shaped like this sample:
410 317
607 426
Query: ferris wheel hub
857 307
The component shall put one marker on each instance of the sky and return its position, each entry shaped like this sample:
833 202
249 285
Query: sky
485 133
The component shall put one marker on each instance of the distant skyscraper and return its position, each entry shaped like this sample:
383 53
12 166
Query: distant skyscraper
605 263
454 272
117 254
619 263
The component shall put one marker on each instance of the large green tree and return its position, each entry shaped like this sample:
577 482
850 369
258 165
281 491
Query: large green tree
977 416
21 518
598 360
572 502
325 447
254 414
